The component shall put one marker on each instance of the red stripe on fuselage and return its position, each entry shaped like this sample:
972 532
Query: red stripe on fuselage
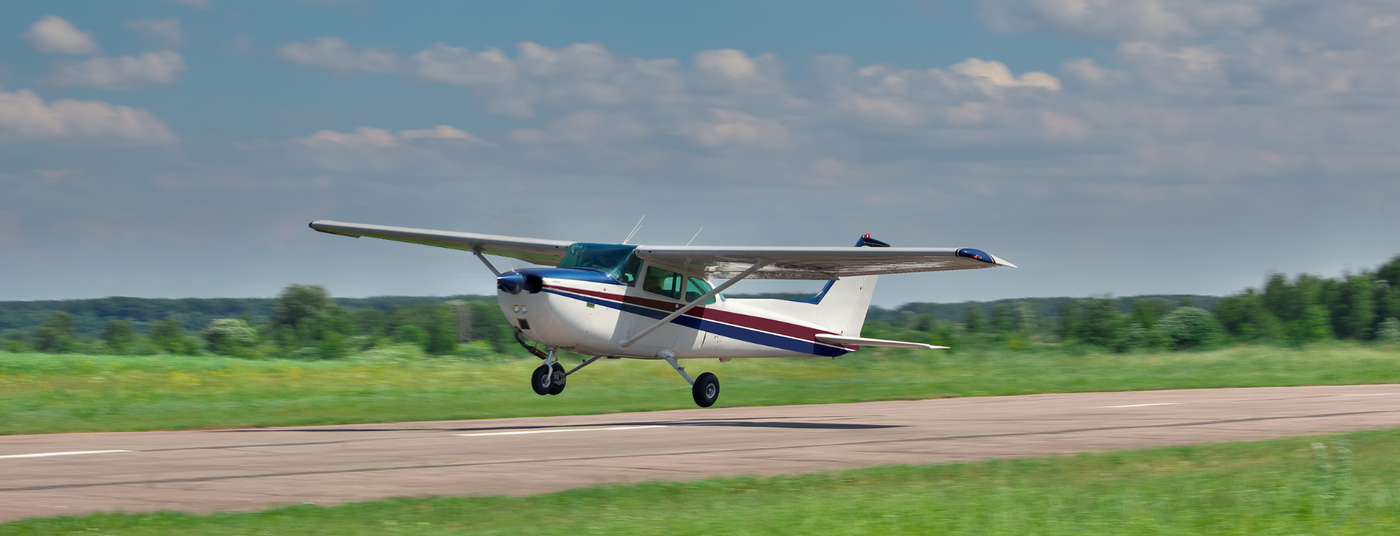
738 319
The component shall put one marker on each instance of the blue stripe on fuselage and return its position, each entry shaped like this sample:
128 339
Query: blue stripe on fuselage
725 330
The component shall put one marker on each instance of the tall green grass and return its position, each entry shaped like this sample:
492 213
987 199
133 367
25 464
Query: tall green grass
43 393
1348 484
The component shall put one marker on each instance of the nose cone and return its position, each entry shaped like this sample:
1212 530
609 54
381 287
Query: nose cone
511 282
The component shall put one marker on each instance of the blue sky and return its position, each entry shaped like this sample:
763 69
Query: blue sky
177 148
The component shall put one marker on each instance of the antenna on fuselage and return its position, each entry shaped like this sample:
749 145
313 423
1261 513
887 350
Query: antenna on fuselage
634 230
697 233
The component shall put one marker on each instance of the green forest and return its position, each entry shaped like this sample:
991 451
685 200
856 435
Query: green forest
305 322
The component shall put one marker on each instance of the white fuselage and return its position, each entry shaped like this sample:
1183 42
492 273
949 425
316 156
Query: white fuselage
593 317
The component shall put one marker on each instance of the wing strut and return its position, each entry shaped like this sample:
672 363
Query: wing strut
697 301
477 251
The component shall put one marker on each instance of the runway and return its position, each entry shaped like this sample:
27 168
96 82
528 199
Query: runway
253 469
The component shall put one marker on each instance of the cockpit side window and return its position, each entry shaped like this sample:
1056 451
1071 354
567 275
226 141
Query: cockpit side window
664 282
630 273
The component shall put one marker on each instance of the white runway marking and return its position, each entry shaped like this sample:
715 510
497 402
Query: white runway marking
73 453
553 430
1142 405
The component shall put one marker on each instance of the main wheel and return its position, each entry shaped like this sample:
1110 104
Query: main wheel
705 390
557 380
541 381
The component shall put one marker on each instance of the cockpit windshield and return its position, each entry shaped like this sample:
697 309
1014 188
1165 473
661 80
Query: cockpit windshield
612 259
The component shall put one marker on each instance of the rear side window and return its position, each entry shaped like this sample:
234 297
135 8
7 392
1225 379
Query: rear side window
662 281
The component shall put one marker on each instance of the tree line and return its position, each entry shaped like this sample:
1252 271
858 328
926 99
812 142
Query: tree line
1305 309
303 322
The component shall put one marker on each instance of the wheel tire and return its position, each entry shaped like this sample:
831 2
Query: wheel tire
705 390
540 381
556 386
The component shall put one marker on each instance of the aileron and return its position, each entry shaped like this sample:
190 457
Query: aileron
533 250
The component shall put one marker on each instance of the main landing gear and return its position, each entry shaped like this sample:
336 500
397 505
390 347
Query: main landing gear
704 389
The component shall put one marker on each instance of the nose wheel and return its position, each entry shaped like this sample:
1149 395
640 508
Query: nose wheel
549 378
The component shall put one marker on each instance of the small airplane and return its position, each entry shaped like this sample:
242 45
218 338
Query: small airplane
657 302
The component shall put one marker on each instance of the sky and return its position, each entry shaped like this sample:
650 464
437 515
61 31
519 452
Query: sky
178 148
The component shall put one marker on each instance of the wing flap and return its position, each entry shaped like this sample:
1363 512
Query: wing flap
862 341
822 263
533 250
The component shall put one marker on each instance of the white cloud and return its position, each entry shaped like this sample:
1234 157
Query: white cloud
441 132
1063 127
167 31
1188 70
1088 71
892 111
25 117
581 73
586 60
361 137
123 72
733 72
55 34
365 137
372 148
967 113
732 127
991 76
1288 88
460 66
727 63
1125 19
336 54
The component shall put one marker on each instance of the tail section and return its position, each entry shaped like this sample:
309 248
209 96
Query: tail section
842 305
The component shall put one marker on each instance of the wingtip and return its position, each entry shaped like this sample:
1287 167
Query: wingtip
323 228
1001 262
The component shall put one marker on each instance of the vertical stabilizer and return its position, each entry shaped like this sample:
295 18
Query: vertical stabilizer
842 305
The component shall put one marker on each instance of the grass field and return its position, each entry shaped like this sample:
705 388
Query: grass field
1346 484
43 393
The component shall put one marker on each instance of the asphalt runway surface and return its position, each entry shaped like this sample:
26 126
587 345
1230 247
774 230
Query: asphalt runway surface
253 469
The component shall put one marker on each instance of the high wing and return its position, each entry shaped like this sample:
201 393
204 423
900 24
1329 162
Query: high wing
815 263
534 250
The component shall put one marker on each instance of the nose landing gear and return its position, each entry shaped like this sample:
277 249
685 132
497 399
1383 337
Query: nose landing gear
549 378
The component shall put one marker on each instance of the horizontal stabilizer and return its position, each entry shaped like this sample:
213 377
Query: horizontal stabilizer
862 341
